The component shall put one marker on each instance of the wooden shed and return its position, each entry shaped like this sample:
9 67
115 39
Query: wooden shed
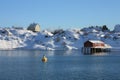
94 43
34 27
95 46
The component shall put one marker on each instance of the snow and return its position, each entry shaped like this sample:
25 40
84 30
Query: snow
72 39
96 41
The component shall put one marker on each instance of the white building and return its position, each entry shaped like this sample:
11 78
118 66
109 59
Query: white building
34 27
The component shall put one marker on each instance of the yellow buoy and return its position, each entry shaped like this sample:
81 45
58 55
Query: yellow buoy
44 59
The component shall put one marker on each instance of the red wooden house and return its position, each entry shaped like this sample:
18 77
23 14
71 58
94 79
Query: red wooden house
94 44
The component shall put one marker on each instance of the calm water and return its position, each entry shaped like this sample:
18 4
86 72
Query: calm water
61 65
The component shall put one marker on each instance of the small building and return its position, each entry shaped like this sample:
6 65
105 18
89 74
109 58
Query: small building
34 27
94 43
95 46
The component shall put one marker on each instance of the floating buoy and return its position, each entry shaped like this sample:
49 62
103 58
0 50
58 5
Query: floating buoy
44 59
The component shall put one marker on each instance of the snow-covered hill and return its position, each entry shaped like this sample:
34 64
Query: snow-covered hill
57 40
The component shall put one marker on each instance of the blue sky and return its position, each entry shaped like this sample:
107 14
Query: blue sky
59 13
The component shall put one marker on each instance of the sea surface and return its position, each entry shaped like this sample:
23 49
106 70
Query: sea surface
61 65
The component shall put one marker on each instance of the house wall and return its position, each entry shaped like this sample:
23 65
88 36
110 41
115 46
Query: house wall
98 44
88 44
37 28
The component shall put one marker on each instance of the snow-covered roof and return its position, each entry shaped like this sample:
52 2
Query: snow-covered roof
96 41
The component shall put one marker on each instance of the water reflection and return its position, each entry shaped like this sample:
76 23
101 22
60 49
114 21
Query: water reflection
100 54
37 53
19 53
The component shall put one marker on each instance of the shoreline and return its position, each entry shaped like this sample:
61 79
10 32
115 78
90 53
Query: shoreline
113 49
